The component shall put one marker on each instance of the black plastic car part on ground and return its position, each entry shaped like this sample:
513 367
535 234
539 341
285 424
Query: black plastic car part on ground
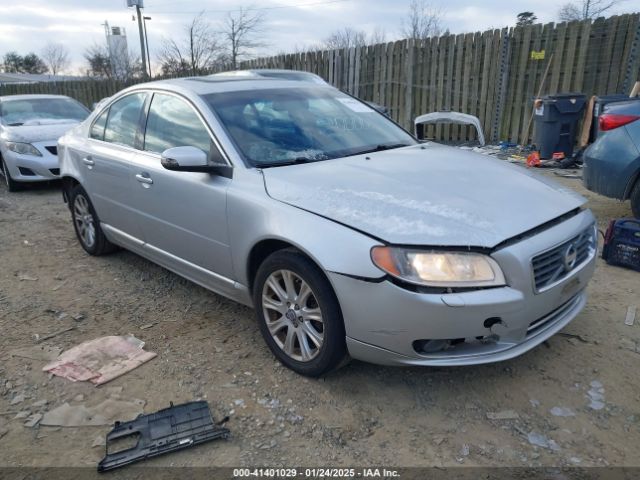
168 430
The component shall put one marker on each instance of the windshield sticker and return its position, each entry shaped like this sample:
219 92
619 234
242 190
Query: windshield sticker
355 105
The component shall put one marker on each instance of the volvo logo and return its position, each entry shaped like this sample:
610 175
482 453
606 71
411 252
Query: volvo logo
570 257
293 318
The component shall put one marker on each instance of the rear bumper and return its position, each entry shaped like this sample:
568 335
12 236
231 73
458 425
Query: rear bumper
611 163
386 323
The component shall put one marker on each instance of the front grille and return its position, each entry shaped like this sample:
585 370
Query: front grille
553 265
53 150
55 171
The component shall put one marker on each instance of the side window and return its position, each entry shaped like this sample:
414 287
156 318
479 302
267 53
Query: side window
123 119
97 129
172 122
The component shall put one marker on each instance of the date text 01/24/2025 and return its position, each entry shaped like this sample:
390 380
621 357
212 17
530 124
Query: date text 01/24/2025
315 473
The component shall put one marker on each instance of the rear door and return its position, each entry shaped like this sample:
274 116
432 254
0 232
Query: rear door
114 136
182 214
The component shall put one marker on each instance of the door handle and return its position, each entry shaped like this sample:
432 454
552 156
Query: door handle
143 179
88 161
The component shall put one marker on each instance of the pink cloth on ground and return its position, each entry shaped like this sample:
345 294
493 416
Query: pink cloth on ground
100 360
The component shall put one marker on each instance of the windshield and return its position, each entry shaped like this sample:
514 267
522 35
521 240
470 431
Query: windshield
283 126
41 111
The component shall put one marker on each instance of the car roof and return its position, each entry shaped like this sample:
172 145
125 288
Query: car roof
5 98
225 83
273 73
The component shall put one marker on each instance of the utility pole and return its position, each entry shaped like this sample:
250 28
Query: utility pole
143 51
146 41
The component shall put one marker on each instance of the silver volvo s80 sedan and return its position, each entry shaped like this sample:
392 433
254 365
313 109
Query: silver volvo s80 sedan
349 237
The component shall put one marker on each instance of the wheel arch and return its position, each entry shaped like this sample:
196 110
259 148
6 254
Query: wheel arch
267 246
633 179
68 184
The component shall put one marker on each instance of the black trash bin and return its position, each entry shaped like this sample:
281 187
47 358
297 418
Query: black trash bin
556 121
598 109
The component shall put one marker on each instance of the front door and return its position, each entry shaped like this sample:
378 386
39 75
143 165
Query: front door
182 214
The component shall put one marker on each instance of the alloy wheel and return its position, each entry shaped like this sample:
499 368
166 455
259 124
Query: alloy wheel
84 220
292 315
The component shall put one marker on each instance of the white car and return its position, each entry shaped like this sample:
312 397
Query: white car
30 126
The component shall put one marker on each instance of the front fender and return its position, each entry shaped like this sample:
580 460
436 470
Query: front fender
253 216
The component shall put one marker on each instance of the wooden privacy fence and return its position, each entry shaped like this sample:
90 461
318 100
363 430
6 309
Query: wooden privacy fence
87 92
493 74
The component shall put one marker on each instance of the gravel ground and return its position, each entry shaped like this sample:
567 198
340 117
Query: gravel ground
537 410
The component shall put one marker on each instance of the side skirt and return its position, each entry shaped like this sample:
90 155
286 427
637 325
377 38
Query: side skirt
205 278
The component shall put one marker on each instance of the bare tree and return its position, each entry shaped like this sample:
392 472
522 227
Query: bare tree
99 64
242 31
422 21
56 56
198 51
379 35
349 37
120 65
345 38
585 9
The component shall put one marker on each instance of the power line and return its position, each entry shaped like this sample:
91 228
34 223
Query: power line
182 12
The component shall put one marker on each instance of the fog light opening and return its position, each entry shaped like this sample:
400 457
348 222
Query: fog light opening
490 322
26 172
430 346
433 346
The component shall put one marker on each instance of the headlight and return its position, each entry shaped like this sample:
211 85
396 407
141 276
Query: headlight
23 149
439 269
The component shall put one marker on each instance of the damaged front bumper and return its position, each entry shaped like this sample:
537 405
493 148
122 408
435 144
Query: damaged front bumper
390 325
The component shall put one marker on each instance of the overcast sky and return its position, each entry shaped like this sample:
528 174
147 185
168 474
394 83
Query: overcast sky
28 25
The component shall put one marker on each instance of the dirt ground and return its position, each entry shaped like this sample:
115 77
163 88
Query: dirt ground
210 348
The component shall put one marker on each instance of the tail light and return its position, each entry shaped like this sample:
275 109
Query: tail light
609 121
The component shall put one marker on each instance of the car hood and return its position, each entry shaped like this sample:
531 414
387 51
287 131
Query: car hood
424 195
37 133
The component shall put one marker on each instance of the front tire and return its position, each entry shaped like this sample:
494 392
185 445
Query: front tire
12 185
298 314
87 225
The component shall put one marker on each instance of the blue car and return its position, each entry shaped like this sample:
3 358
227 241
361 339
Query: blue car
612 161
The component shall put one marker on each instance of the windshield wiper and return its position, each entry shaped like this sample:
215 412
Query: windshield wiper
16 124
379 148
295 161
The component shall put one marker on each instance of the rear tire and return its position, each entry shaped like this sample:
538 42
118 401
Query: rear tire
635 199
11 184
87 225
298 314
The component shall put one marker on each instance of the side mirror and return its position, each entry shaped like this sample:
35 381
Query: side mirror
191 159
